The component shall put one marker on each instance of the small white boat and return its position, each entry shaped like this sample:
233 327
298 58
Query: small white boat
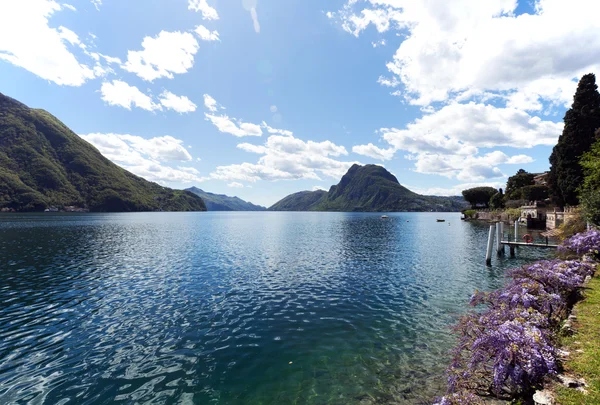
384 216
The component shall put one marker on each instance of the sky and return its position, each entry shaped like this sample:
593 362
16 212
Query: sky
263 98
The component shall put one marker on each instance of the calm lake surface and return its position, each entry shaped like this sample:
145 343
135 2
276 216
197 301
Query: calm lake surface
234 308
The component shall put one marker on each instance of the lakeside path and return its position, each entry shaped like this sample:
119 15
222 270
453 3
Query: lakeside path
586 362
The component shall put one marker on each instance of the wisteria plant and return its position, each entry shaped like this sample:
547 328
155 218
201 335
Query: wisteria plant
507 349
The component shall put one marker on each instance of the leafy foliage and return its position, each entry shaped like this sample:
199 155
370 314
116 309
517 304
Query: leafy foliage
43 163
590 189
479 196
221 202
497 200
368 188
581 121
536 192
517 182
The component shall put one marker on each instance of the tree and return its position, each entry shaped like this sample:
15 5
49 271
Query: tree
516 183
479 196
581 121
497 200
535 192
589 193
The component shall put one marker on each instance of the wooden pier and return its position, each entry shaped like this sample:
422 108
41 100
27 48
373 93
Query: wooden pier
496 235
512 245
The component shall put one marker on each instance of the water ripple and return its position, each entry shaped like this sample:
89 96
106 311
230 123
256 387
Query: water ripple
232 308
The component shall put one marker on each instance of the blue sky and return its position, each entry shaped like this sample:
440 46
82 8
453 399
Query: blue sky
262 98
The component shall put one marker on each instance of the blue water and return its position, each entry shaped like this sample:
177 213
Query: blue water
234 308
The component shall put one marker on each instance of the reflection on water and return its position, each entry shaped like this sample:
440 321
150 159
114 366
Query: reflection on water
234 308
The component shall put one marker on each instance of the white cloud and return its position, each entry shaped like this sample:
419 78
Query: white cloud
205 34
374 152
69 6
97 4
275 130
27 41
226 125
315 188
461 128
208 12
378 43
119 93
448 52
447 141
287 158
210 103
455 190
180 104
235 184
147 157
164 55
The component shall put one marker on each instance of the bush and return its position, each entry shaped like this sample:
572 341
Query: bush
515 203
510 347
470 213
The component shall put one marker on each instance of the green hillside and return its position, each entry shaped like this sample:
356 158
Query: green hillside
43 163
367 188
221 202
301 201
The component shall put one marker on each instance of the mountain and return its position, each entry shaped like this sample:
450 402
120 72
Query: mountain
367 188
221 202
43 163
301 201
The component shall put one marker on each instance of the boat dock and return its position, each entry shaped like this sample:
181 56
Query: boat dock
496 235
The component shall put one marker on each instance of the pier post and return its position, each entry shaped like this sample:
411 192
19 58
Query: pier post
499 238
490 245
512 251
516 231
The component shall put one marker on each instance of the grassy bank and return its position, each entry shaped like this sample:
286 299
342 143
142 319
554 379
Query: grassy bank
585 363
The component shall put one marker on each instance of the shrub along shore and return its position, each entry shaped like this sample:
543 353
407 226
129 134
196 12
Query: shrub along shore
510 347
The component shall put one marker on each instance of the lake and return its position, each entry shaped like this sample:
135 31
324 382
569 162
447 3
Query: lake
235 307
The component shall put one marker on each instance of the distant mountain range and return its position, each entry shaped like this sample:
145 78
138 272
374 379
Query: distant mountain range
221 202
364 189
44 164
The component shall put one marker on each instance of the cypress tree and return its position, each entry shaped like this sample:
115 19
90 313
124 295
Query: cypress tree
581 121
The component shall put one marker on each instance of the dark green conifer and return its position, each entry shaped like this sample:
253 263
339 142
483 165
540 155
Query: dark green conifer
581 121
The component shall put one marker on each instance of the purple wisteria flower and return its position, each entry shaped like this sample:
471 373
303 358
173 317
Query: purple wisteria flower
508 348
583 243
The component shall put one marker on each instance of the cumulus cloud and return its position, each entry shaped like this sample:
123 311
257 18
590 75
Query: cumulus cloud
235 184
447 141
147 158
455 190
119 93
447 51
208 12
166 54
227 125
287 158
211 104
205 34
27 41
180 104
374 152
272 130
